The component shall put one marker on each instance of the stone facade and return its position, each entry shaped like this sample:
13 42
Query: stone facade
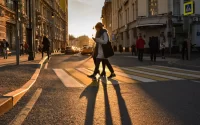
150 18
7 22
50 18
107 16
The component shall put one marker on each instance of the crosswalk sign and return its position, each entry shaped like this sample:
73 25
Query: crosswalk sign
189 8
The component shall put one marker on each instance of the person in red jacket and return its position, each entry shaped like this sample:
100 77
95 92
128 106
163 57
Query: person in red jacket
140 47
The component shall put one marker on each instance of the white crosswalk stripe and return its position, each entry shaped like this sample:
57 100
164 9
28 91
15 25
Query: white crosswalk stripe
67 80
178 73
148 74
154 74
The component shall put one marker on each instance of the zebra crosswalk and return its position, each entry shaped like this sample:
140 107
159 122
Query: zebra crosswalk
77 77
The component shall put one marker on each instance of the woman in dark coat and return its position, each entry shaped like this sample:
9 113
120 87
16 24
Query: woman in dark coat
46 45
99 54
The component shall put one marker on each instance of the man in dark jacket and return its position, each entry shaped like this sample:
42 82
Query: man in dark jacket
184 50
5 47
140 47
46 45
154 46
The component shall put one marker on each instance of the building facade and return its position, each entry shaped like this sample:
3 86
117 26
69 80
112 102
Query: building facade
151 18
107 16
50 18
7 22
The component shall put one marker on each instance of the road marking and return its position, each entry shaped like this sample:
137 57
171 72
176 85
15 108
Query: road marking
133 77
178 73
103 80
196 81
19 119
120 78
177 69
154 74
66 79
81 77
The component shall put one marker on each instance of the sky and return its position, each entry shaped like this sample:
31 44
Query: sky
83 15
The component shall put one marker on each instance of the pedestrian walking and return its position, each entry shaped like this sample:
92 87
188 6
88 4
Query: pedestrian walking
5 47
184 50
133 49
46 45
162 44
26 47
120 48
103 50
140 47
154 46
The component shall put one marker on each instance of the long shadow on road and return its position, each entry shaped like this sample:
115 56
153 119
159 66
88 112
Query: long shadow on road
90 93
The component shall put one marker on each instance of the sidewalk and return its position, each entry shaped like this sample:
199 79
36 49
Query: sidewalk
23 60
12 76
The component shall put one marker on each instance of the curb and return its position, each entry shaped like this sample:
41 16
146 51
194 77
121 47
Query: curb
9 100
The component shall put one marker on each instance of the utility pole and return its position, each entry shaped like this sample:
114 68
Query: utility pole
30 33
17 32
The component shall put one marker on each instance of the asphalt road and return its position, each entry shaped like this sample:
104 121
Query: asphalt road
160 102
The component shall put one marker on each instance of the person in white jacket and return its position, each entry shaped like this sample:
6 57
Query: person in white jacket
101 38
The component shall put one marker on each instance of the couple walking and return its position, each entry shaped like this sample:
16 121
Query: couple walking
103 50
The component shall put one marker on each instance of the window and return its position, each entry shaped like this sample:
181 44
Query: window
176 9
153 7
133 7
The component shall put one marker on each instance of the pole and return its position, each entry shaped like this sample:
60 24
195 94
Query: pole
17 32
30 35
189 38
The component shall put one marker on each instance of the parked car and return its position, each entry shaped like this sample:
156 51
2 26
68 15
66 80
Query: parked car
69 50
87 50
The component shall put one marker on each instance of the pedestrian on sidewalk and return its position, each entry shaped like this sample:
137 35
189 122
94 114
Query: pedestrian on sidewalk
120 48
184 50
46 45
5 47
154 46
133 49
140 47
26 47
162 44
101 54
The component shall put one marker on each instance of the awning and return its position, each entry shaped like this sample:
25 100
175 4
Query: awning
150 24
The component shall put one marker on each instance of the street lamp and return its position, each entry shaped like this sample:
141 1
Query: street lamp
17 31
30 34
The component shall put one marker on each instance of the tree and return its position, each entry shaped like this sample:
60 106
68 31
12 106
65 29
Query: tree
72 37
83 40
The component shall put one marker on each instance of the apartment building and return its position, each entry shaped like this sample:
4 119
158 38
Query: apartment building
7 22
107 16
50 18
150 18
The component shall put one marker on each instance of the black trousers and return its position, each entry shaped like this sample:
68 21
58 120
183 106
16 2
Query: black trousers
140 54
153 55
184 53
105 62
163 52
45 51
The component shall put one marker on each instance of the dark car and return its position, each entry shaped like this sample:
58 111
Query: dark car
69 50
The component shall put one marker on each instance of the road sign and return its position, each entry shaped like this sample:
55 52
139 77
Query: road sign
189 8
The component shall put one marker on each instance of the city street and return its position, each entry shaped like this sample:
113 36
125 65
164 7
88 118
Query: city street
143 93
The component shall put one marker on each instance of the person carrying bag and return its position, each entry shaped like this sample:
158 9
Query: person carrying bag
103 51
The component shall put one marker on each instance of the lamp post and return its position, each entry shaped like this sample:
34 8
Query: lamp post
17 31
30 34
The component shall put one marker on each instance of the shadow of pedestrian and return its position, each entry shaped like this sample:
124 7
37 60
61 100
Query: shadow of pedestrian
108 116
90 93
124 115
